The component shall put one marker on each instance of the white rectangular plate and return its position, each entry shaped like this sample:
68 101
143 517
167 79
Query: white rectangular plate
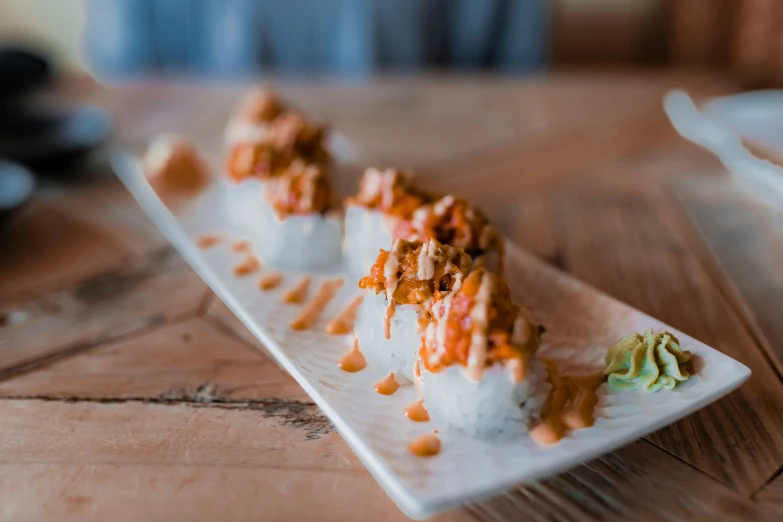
581 324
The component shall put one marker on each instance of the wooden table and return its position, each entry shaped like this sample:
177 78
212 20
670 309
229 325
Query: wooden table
129 392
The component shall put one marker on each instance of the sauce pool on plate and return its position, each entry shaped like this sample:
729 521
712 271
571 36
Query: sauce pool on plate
569 406
270 282
249 266
343 323
242 246
298 293
387 385
315 307
208 241
353 361
417 412
426 445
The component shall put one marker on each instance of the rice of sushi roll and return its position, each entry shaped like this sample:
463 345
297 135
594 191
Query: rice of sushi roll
298 229
388 206
400 287
276 190
477 369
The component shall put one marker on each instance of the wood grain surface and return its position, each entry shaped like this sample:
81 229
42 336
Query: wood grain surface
128 391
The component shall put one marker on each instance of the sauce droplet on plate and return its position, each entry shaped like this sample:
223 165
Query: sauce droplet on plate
208 241
249 266
298 293
315 307
353 361
242 246
417 412
425 445
270 282
343 323
387 385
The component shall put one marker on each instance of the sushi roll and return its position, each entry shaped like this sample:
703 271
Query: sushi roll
262 117
379 213
477 369
400 287
265 138
298 229
389 206
174 168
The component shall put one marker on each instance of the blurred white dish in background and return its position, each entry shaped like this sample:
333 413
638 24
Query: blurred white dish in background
720 138
755 116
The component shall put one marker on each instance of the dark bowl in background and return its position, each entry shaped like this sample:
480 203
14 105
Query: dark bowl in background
22 71
16 189
39 137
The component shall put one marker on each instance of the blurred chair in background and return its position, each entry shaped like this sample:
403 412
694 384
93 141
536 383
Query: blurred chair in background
239 37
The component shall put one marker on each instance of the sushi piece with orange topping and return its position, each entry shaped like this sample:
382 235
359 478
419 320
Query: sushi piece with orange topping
477 369
389 206
174 167
298 228
265 140
400 287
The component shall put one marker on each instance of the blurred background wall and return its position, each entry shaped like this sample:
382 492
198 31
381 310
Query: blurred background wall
53 25
121 37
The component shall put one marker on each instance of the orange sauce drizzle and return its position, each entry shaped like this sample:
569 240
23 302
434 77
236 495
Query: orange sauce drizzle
579 411
570 405
422 322
242 246
417 412
270 282
208 241
387 321
353 361
298 293
313 309
387 385
425 445
518 368
249 266
343 323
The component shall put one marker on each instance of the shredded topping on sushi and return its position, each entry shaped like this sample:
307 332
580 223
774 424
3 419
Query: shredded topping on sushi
303 189
271 138
415 272
477 326
416 215
258 106
391 192
455 222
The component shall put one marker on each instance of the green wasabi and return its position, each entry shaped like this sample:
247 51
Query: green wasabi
652 362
